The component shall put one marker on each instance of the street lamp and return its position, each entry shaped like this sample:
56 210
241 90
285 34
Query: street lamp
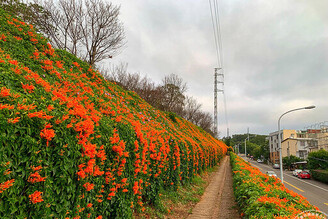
279 138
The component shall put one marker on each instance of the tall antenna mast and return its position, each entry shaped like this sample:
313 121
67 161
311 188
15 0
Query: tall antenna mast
216 90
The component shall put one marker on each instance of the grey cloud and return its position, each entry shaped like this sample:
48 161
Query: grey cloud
275 54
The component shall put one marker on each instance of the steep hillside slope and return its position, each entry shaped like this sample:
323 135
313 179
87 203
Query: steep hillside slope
74 145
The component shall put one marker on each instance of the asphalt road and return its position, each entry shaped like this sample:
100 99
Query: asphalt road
315 192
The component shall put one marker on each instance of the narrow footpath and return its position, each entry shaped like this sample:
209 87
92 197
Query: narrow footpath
218 200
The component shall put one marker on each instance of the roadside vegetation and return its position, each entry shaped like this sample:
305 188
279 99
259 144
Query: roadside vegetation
75 145
180 203
261 196
318 165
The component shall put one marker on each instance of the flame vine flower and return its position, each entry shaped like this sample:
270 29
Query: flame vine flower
259 195
81 146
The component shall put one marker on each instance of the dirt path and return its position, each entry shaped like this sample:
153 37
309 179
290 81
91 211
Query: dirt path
218 199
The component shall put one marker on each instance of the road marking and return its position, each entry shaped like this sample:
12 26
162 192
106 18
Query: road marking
257 167
306 182
294 186
285 174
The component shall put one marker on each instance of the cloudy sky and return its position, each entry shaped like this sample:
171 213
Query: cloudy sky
275 56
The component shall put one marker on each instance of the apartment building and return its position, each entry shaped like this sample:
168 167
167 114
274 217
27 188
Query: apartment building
298 143
323 139
299 147
321 135
274 145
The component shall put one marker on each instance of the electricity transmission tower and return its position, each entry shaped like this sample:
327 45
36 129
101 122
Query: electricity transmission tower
219 71
218 79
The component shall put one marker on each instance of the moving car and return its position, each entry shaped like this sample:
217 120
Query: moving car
259 161
271 173
276 166
296 172
304 175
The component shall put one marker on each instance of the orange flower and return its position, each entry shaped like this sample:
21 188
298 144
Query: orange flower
88 186
3 37
28 87
36 197
18 38
47 134
4 92
35 177
13 121
6 106
111 194
50 107
6 185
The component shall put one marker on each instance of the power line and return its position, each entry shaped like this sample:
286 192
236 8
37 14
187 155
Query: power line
215 36
218 46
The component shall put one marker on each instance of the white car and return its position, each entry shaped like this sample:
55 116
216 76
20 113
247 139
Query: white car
276 166
259 161
296 172
271 173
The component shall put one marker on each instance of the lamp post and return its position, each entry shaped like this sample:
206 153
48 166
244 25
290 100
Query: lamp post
246 146
245 149
279 138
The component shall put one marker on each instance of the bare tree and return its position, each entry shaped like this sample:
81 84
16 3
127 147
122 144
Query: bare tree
169 96
117 73
89 29
174 90
102 31
191 107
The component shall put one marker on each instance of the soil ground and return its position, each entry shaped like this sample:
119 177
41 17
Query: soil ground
218 200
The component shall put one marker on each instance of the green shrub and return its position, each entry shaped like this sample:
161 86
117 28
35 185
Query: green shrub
321 175
261 196
318 160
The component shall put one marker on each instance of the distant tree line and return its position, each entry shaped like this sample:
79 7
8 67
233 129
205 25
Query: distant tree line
169 95
257 145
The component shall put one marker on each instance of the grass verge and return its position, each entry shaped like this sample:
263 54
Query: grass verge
179 204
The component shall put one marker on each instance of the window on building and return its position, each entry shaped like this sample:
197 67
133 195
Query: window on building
301 154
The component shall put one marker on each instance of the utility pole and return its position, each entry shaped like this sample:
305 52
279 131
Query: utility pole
245 149
216 90
247 140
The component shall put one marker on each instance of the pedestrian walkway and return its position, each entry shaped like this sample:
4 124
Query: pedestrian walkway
218 200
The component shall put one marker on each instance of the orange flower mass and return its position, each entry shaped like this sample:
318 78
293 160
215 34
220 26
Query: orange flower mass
36 197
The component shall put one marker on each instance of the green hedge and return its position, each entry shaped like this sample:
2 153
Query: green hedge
321 175
261 196
318 160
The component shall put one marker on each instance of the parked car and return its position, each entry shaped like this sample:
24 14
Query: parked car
271 173
276 166
296 172
259 161
304 175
